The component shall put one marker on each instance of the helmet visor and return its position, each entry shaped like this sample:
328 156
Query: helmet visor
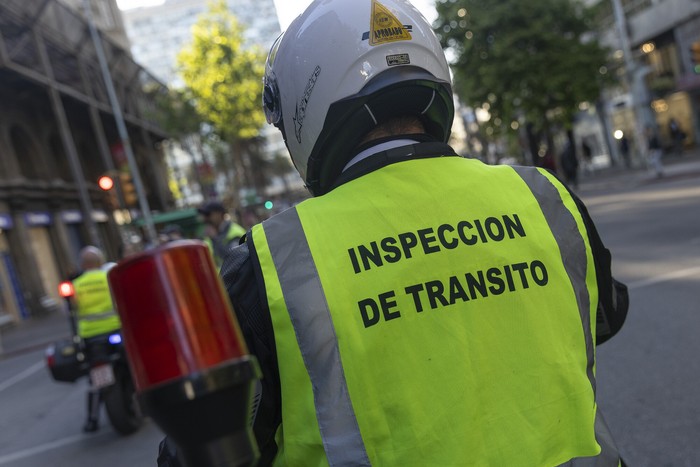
271 95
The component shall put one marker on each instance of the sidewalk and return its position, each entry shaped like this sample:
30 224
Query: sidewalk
33 333
675 167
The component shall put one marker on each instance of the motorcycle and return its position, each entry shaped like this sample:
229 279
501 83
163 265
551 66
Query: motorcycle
103 360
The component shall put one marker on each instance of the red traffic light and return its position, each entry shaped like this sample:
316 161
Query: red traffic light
65 289
105 182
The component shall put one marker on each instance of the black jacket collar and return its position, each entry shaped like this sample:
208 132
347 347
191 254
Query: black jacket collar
426 147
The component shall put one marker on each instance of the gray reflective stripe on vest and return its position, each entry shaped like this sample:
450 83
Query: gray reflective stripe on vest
97 316
567 235
565 230
609 455
310 316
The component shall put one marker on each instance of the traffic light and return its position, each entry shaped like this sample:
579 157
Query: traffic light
695 56
268 204
106 183
128 189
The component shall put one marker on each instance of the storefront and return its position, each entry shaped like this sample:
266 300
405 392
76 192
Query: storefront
676 106
12 307
38 224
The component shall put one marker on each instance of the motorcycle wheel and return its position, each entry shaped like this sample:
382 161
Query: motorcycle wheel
123 409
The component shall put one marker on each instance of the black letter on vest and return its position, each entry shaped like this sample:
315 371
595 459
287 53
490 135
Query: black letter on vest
408 240
494 229
368 255
414 290
369 304
393 253
441 235
514 225
520 268
427 236
493 275
388 305
544 278
353 260
435 291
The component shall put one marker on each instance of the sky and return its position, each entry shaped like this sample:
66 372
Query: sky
287 10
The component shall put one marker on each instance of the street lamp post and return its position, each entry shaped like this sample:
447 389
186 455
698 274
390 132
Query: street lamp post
635 74
121 126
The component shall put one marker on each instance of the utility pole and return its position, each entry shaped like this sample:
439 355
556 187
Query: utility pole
121 126
635 74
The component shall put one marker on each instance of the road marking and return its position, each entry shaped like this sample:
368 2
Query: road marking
664 278
44 447
25 374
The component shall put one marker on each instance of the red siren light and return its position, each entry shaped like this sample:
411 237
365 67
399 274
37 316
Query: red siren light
176 317
192 369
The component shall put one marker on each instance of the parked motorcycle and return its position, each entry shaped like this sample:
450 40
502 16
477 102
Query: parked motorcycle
103 360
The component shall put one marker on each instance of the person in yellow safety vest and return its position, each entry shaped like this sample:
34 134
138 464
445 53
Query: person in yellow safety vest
221 233
423 308
94 309
95 314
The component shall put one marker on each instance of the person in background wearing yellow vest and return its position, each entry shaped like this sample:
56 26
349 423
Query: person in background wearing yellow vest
221 233
422 309
95 313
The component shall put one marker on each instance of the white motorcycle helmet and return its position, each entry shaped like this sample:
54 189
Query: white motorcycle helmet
344 66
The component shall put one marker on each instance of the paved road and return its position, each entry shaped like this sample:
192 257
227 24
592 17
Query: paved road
649 374
40 423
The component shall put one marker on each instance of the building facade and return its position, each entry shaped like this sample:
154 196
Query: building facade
58 135
660 34
107 18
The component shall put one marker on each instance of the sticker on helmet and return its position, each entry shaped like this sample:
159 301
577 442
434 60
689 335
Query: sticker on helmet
398 59
385 27
301 105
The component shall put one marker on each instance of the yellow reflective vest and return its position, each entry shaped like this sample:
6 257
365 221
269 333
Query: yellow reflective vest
435 312
233 231
95 311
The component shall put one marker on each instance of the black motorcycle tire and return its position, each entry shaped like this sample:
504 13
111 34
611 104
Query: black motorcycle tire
123 409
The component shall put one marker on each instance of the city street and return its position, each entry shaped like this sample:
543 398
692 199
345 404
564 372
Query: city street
648 375
41 423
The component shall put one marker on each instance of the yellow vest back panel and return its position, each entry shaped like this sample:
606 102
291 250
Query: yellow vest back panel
458 327
96 313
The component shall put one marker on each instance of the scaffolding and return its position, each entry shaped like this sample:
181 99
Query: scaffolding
49 44
45 43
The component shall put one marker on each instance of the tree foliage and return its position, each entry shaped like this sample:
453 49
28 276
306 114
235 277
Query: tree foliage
223 76
176 114
534 59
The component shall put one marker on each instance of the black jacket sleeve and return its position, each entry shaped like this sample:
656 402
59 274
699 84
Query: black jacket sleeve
613 299
247 296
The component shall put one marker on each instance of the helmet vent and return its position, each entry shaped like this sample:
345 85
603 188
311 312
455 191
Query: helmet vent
432 98
369 111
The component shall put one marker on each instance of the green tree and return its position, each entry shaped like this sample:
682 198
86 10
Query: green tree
176 114
535 60
224 78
